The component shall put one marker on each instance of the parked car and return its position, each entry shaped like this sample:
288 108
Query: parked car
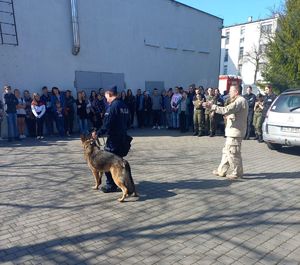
282 124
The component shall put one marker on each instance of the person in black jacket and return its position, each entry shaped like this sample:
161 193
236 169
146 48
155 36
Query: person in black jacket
139 108
115 126
49 117
11 103
268 100
130 102
251 99
69 112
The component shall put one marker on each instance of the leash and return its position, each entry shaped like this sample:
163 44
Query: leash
99 144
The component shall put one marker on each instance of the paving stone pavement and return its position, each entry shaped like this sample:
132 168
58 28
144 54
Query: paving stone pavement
49 213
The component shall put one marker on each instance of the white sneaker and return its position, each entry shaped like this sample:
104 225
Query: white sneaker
41 137
24 136
38 137
153 127
158 127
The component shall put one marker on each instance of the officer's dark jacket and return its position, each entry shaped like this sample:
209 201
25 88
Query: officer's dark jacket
115 118
251 98
268 100
115 126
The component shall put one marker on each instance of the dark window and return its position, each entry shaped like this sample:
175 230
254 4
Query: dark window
241 53
242 31
240 69
225 70
227 37
267 28
226 56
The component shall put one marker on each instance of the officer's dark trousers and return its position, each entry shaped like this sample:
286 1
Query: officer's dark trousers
110 184
249 123
140 118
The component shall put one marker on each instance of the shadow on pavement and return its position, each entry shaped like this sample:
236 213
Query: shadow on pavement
52 250
281 175
295 150
149 190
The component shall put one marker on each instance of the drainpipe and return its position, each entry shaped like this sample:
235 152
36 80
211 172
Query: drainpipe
75 27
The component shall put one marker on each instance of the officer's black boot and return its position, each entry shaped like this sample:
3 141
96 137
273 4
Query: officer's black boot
260 139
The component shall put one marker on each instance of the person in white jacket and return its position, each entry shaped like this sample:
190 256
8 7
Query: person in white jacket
38 109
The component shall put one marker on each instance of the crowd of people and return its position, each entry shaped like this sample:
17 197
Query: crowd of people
179 109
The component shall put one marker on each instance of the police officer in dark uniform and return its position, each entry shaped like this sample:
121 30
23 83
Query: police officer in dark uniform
251 98
268 100
115 126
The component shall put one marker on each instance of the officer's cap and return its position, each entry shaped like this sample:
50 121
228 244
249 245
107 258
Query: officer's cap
113 89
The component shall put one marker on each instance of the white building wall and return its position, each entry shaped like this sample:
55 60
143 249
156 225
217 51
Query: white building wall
252 40
113 35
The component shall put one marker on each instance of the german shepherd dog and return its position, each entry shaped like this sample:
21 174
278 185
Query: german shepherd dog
100 161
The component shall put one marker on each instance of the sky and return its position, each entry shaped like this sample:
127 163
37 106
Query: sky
236 11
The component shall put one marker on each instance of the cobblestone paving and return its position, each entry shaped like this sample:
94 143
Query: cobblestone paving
49 213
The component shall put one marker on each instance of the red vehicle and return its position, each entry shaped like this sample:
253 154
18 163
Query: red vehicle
225 81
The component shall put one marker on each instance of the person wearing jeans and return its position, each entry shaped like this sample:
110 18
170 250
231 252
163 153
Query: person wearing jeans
175 101
11 103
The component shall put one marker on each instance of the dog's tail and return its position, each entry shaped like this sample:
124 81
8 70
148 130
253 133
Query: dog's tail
129 180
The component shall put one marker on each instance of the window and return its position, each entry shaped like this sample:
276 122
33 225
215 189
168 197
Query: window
227 37
226 56
241 53
262 48
240 69
266 28
225 70
242 30
242 40
286 103
261 67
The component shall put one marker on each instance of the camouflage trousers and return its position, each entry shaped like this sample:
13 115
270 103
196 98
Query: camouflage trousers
257 122
231 163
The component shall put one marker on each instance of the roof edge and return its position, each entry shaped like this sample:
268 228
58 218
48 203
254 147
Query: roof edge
255 21
198 10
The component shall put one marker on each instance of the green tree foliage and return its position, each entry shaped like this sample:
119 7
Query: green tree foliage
283 51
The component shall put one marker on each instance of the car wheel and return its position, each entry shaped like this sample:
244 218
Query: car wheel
274 146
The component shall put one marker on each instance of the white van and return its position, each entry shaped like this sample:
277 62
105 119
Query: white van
282 123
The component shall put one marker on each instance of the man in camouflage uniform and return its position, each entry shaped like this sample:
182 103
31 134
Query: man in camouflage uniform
198 109
231 165
210 122
257 118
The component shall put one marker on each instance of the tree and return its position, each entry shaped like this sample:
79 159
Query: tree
283 52
256 57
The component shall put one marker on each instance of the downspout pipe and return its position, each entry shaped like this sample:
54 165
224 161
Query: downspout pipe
75 27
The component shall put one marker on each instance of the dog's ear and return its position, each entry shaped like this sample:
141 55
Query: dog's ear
83 138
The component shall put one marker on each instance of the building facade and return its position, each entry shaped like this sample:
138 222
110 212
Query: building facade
243 48
130 43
